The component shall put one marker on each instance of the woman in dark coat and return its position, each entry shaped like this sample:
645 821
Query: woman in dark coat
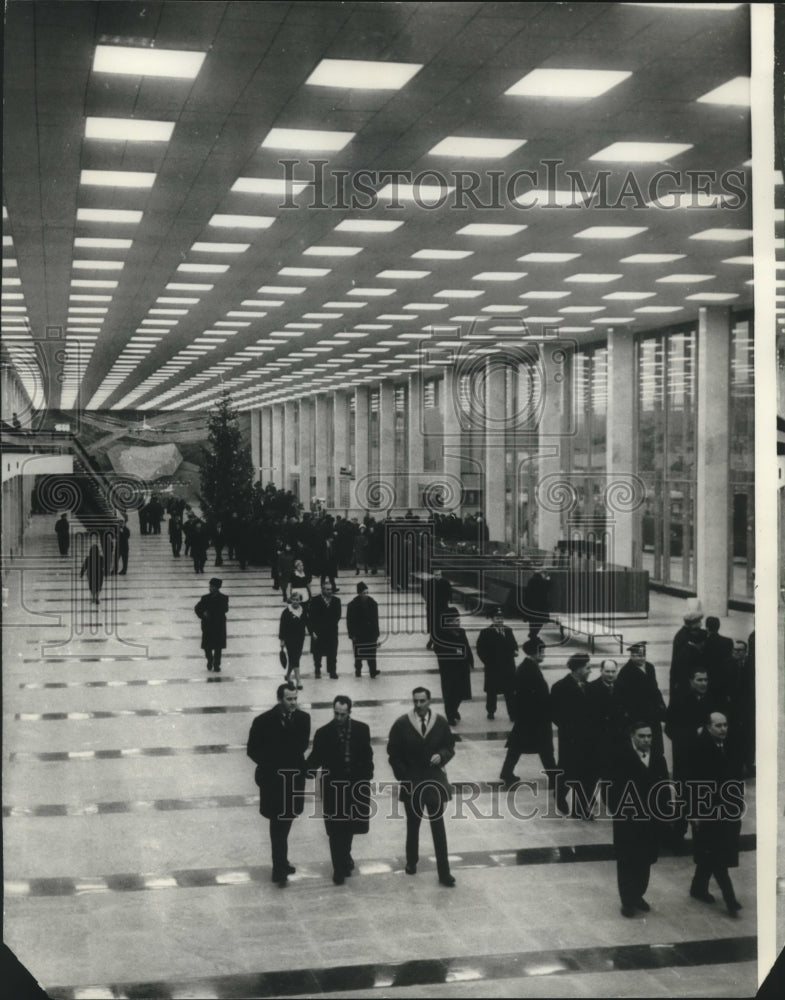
299 584
212 610
291 633
455 658
93 566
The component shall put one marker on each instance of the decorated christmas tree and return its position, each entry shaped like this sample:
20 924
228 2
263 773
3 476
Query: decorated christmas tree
227 472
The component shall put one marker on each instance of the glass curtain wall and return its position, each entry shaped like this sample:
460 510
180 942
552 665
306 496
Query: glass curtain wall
667 424
433 425
588 445
401 444
741 550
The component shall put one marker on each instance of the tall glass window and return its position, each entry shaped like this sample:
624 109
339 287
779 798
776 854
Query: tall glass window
742 459
401 443
667 424
588 445
351 433
433 425
374 426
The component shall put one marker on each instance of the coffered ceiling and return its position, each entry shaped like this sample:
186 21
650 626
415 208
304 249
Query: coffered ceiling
220 256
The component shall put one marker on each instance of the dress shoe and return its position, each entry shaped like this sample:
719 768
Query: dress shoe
411 869
351 864
299 687
217 669
357 673
458 716
733 907
333 677
375 674
491 715
339 879
628 911
642 905
704 897
290 869
279 879
447 880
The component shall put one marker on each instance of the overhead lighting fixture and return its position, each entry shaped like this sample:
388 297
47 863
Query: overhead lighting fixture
98 265
95 243
118 178
550 199
107 215
133 61
220 247
544 295
589 278
685 279
547 258
442 254
567 84
629 296
749 261
281 289
362 74
652 258
128 129
421 193
183 286
712 296
582 309
404 275
372 292
367 226
242 221
92 283
459 293
734 93
477 148
609 232
333 251
499 276
689 199
659 309
267 185
723 235
490 229
306 139
203 268
641 152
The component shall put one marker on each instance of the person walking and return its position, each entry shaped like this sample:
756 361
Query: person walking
63 532
212 609
277 743
342 752
176 534
362 624
532 731
123 537
496 647
291 634
456 661
324 614
93 566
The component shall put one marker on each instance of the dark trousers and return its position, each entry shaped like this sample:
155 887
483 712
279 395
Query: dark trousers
213 659
176 546
279 836
358 660
451 705
340 837
547 759
704 871
123 561
491 701
435 816
632 876
327 648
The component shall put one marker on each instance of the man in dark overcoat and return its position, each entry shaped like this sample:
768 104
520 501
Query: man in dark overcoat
532 731
635 805
437 593
607 719
639 693
570 712
362 624
212 609
342 751
123 539
454 655
419 746
276 744
715 810
63 532
497 648
324 613
536 602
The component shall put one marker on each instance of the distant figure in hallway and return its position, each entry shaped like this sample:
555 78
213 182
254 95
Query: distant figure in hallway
199 541
324 614
362 624
532 731
496 647
438 593
63 532
291 634
342 751
536 602
276 744
456 660
123 536
211 609
176 534
93 566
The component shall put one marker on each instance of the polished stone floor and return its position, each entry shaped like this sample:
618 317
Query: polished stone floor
136 863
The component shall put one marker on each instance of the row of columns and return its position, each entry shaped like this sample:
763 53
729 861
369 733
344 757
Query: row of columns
273 441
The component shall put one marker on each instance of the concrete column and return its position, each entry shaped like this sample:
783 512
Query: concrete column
322 459
493 459
277 475
620 444
340 440
416 456
266 471
387 438
288 445
306 450
713 460
551 460
256 443
451 427
360 440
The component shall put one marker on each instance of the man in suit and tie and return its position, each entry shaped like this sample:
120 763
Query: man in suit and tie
324 613
570 712
342 751
636 769
276 744
607 718
639 693
419 746
497 648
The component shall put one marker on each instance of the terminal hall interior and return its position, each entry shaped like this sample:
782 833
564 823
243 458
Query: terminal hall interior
459 291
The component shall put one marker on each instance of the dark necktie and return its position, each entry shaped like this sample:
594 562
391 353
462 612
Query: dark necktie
423 725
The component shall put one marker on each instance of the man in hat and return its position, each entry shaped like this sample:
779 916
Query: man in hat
362 624
570 712
639 694
419 746
211 609
608 720
693 617
342 750
496 648
276 744
324 613
532 731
